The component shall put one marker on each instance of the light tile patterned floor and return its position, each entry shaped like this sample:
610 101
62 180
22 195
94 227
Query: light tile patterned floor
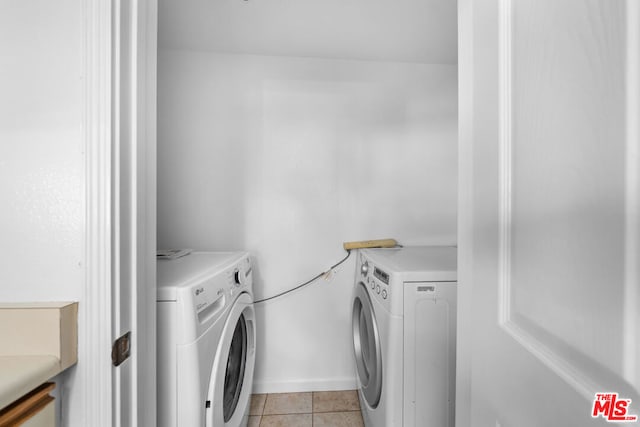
313 409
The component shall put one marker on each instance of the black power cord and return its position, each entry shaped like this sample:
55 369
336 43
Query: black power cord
308 282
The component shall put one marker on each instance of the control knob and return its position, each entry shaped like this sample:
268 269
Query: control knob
364 268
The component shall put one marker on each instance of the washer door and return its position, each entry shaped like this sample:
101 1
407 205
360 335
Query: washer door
366 345
232 375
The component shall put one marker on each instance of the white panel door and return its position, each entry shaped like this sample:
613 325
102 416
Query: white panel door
549 212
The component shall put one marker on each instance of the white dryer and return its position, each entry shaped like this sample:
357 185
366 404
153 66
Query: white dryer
404 336
206 340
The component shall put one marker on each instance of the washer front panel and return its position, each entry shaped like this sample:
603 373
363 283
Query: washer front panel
201 299
235 367
231 377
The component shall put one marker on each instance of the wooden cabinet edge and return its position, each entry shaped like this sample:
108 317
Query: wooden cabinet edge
27 406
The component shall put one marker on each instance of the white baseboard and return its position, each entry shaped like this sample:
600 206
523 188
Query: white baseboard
297 386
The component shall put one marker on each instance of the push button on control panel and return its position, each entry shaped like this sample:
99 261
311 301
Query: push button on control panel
384 293
378 289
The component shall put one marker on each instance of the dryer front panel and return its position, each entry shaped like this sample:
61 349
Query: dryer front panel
367 347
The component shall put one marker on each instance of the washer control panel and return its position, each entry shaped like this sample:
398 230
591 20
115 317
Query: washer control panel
202 286
239 276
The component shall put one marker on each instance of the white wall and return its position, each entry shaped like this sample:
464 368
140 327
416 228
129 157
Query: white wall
380 30
42 224
289 157
41 159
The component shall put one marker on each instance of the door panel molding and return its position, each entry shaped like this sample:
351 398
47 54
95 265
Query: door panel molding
565 369
505 32
570 364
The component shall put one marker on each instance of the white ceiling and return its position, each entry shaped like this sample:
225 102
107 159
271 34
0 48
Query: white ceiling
385 30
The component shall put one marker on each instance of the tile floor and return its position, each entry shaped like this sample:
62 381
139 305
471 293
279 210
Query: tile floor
313 409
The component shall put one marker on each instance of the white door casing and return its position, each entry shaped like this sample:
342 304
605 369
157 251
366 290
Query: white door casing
549 211
120 105
90 399
133 208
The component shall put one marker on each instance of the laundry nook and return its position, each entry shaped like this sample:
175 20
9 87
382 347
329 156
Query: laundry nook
286 137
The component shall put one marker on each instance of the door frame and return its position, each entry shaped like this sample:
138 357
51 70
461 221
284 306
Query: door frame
97 396
465 204
93 376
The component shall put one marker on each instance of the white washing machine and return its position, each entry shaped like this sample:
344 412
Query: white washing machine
206 340
404 336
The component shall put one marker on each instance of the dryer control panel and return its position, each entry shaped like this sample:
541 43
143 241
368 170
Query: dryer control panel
376 280
381 275
388 273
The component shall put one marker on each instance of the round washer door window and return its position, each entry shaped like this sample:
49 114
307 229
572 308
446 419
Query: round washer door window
366 345
234 375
